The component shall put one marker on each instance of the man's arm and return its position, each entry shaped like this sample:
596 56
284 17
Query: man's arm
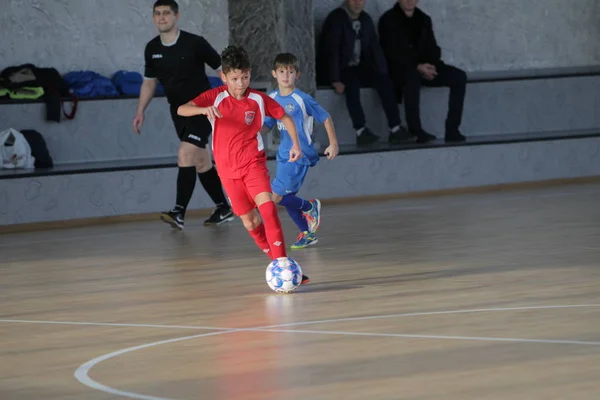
333 28
434 52
389 45
209 54
146 91
146 94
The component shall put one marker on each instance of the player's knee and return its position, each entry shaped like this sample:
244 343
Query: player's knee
251 220
263 198
277 198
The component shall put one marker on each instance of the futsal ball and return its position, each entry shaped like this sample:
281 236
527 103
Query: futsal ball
284 275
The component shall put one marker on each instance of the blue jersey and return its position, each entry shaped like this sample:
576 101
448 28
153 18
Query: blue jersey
303 109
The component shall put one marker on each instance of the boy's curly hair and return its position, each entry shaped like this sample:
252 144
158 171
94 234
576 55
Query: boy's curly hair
234 57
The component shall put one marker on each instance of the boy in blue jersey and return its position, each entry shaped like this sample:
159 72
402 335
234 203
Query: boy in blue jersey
289 177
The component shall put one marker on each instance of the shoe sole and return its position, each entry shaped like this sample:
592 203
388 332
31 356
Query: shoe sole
228 219
303 247
166 218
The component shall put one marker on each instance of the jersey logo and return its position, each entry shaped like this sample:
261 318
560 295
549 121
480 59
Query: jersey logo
289 107
156 56
250 117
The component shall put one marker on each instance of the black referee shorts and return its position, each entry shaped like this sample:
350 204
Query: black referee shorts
195 130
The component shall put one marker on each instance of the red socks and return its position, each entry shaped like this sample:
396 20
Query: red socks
260 238
272 226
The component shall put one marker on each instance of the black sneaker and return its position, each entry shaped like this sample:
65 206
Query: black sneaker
220 216
366 137
400 136
174 218
305 280
454 137
424 137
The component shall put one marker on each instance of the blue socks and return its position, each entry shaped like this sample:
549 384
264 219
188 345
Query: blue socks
294 202
295 206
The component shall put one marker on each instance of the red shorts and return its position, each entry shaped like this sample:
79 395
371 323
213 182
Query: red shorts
241 192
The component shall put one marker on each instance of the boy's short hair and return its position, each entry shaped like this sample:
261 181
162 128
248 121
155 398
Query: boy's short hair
167 3
234 57
286 60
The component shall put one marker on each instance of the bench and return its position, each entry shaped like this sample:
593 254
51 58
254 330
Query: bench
137 175
502 102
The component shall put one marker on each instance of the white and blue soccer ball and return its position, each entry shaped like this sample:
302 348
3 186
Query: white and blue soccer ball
284 275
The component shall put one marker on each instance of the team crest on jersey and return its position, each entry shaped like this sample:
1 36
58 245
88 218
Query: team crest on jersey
250 117
289 107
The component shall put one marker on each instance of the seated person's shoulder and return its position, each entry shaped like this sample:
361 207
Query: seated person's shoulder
337 15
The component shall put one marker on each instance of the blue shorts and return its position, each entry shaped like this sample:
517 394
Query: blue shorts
289 177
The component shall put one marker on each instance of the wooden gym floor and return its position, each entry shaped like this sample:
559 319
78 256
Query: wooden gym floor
473 296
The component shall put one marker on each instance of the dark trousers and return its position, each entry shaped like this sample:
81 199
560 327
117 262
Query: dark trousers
448 76
353 79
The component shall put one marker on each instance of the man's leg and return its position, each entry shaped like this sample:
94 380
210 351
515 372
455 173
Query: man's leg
186 174
351 81
384 87
197 132
456 80
412 106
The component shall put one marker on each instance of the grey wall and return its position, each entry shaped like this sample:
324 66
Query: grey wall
103 36
480 35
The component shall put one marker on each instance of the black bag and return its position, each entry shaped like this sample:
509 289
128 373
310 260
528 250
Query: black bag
55 89
39 149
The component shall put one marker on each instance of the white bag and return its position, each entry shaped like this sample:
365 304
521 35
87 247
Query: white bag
15 151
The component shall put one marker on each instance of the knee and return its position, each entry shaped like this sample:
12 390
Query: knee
277 198
202 161
412 79
460 77
185 156
251 220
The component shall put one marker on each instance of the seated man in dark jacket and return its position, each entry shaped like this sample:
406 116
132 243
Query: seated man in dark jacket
350 57
414 58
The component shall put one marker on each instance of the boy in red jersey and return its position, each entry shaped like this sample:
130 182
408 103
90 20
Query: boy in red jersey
237 114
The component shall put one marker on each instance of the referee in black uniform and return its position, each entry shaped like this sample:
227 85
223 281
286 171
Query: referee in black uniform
177 59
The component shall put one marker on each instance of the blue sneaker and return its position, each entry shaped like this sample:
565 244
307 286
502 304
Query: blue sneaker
313 216
304 240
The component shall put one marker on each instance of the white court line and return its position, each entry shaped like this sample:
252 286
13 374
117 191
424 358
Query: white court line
366 210
441 337
268 327
82 373
419 314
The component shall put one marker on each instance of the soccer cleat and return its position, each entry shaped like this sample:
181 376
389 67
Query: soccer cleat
313 216
304 240
174 218
305 280
221 215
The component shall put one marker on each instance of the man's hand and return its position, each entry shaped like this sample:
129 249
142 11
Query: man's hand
138 121
338 87
427 71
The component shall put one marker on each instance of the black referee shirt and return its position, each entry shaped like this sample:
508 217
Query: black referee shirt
180 67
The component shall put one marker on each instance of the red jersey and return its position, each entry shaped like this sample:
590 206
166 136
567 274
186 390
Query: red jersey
236 138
